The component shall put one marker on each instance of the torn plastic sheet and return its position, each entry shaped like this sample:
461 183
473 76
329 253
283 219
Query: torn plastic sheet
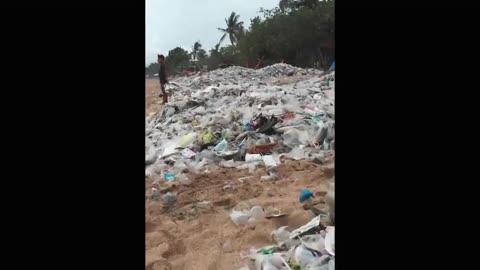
315 222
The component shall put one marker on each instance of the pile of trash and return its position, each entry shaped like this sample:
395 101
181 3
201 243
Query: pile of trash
311 246
236 117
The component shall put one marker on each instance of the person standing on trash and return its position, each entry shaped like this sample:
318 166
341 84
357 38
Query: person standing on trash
162 75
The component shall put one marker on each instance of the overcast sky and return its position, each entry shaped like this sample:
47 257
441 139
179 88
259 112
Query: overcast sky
171 23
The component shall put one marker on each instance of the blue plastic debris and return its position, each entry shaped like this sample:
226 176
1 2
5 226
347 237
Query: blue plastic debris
305 195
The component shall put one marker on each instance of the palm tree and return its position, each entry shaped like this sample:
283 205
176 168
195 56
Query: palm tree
233 30
196 48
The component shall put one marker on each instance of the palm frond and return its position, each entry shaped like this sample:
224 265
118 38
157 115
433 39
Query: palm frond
222 38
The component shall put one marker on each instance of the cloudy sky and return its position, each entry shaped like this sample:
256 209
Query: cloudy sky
170 23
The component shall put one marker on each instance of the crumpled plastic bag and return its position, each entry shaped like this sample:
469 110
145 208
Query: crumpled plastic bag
186 140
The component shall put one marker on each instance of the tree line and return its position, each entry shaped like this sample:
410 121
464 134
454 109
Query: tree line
296 32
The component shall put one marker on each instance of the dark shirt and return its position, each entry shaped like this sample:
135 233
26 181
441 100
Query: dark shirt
162 74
